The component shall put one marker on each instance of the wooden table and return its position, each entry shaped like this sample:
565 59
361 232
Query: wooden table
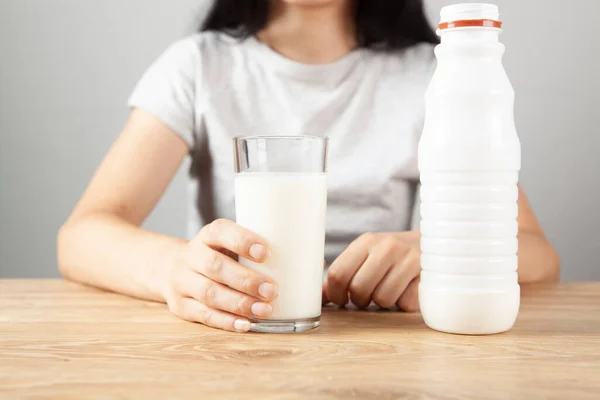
59 340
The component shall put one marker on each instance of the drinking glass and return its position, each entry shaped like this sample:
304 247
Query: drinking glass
281 195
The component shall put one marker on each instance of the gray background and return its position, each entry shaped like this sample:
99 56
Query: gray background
68 66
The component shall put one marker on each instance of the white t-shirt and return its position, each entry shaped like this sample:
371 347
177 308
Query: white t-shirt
210 88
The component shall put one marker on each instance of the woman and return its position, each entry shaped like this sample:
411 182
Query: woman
355 71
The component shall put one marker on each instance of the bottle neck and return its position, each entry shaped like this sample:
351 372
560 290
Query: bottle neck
469 35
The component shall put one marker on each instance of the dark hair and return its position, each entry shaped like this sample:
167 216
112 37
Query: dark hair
380 24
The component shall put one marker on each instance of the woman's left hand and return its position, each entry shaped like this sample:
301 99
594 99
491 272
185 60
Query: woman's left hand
379 267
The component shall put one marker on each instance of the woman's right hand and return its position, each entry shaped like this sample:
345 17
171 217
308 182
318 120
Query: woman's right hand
207 285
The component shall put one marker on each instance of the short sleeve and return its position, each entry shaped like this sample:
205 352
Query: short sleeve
167 89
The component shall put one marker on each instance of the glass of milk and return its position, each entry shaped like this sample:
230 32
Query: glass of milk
281 195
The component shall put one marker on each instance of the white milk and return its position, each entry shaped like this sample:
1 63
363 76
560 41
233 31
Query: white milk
469 159
288 210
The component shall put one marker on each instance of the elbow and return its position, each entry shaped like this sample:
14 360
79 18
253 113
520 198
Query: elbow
538 262
553 273
61 247
549 270
64 246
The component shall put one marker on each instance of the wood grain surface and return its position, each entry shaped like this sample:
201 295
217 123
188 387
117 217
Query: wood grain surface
59 340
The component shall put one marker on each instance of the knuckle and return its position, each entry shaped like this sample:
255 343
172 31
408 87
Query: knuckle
237 244
207 317
359 296
335 275
219 225
173 290
416 256
390 247
213 264
410 305
205 231
174 307
382 300
242 306
413 260
246 282
368 237
361 302
207 293
237 306
215 228
391 243
356 291
220 222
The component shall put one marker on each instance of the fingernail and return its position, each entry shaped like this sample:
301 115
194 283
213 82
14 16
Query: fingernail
261 309
241 325
258 251
268 290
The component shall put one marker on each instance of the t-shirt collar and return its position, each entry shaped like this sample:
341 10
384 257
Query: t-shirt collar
325 74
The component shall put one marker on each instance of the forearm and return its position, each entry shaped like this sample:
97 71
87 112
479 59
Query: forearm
105 251
538 262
